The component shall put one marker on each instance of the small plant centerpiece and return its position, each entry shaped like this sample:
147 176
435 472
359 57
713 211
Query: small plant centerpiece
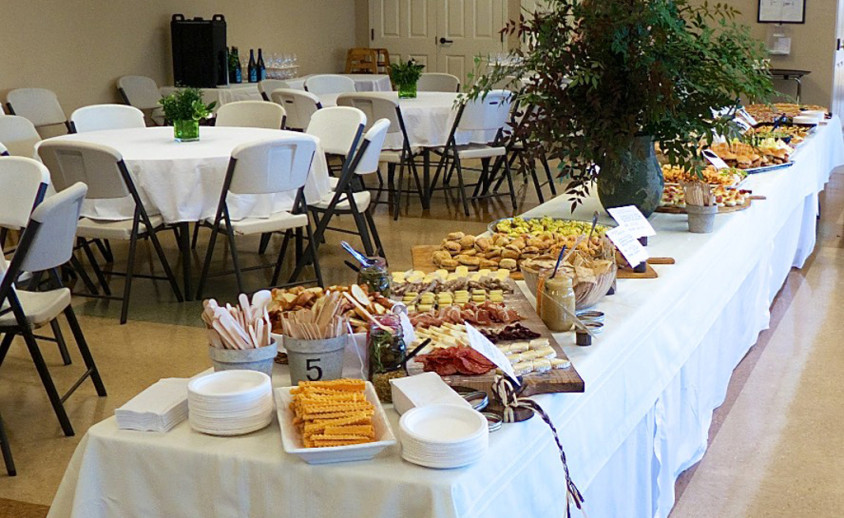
608 78
184 109
405 75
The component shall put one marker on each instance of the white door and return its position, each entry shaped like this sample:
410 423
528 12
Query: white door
838 72
445 35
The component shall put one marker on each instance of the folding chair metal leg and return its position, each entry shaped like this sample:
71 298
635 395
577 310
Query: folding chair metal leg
312 252
7 450
280 260
360 223
379 248
512 189
47 381
207 264
130 271
3 232
397 191
462 187
84 351
544 160
5 344
79 270
534 177
57 333
235 261
105 249
195 236
265 242
98 272
156 244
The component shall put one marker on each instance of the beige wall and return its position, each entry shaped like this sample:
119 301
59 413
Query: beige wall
812 47
78 48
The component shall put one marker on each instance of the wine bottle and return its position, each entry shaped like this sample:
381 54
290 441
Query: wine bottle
252 67
262 69
235 69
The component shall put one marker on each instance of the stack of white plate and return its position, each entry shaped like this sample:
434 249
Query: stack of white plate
443 436
230 402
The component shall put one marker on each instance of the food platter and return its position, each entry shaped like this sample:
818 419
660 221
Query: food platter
674 209
769 168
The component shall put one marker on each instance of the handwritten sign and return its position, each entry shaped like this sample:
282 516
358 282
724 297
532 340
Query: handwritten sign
480 343
747 116
632 218
628 244
714 159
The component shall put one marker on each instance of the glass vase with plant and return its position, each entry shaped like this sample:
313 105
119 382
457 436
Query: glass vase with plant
184 108
405 75
608 78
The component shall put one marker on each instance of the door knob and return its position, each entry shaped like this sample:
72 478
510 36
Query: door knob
444 41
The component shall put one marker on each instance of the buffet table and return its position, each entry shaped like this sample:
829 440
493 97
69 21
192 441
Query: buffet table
652 380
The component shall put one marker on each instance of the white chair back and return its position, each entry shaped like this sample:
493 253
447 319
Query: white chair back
375 106
338 129
268 86
438 82
105 117
250 114
94 165
299 106
3 150
55 237
487 113
22 182
139 91
271 166
329 84
368 157
19 135
39 105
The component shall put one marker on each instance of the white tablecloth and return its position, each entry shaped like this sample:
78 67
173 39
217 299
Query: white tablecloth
363 82
224 94
428 119
652 380
182 180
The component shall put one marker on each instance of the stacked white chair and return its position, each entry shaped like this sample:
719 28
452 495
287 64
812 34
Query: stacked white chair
98 117
18 135
437 82
323 84
268 86
478 116
251 114
103 169
299 106
143 93
45 245
39 105
268 166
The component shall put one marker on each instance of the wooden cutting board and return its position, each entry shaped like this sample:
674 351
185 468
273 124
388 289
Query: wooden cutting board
555 380
422 256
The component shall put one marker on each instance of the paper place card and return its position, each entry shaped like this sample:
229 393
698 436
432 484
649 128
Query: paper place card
628 244
742 124
407 329
747 116
631 217
714 159
480 343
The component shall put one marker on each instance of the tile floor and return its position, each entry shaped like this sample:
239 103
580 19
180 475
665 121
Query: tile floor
779 422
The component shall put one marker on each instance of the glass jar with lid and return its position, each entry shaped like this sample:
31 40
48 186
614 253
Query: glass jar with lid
387 353
376 276
555 302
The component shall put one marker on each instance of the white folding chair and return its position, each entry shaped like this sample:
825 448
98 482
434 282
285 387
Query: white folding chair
378 106
268 166
487 114
105 117
23 183
299 106
103 169
251 114
329 84
437 82
18 135
39 105
45 245
3 150
268 86
143 93
350 196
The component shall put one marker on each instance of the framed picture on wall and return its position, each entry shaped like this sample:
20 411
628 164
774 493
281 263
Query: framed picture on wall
781 11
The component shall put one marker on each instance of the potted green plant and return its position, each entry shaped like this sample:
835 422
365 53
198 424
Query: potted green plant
184 109
405 76
608 78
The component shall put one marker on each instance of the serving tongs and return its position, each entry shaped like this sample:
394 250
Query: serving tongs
362 259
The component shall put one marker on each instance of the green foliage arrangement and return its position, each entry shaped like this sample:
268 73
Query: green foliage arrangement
408 73
600 72
186 104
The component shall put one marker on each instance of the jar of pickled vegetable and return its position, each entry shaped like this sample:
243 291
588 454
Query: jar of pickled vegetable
376 276
387 352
